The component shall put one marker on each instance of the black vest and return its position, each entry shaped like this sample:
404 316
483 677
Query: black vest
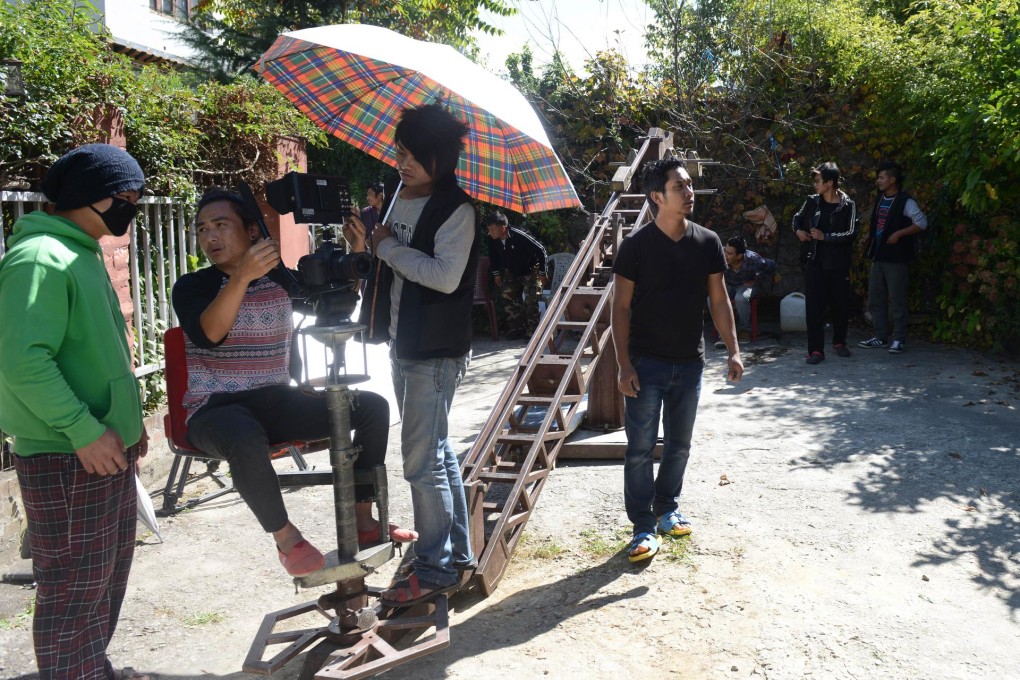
432 324
901 251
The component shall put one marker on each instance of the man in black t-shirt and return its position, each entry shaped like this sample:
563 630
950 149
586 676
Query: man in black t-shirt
662 275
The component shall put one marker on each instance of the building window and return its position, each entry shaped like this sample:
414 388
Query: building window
178 9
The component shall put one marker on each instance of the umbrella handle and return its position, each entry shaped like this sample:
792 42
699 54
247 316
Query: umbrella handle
389 209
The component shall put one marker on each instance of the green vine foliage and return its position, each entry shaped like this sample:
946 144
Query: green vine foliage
70 75
184 130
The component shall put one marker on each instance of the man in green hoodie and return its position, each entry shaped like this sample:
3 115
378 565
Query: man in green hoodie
70 398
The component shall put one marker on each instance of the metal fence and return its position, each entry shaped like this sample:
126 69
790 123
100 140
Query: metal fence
161 244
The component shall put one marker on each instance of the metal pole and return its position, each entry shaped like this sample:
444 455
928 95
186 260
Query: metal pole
342 455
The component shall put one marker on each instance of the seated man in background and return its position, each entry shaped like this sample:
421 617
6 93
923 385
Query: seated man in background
238 325
518 265
746 272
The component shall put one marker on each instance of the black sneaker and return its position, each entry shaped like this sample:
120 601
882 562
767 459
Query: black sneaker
815 358
872 343
841 350
897 347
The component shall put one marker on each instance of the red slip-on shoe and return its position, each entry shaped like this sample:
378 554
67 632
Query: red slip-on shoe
302 560
397 534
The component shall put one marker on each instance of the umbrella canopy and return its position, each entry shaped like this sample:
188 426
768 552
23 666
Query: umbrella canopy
353 80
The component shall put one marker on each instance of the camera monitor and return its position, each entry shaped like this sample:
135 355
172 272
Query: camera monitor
315 199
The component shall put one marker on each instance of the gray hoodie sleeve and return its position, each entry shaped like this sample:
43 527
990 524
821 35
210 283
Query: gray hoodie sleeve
911 210
442 271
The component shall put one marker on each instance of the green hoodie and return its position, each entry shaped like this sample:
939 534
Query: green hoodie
65 365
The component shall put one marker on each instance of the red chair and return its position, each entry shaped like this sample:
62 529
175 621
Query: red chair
482 296
176 428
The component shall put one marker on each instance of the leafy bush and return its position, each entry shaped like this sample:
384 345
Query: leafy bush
178 124
70 75
980 296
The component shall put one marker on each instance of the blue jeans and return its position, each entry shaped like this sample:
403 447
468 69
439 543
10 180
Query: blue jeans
742 296
424 391
677 387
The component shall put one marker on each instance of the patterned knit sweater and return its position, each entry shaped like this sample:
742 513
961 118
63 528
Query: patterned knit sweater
256 351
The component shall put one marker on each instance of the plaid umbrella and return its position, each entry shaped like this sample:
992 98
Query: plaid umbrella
353 80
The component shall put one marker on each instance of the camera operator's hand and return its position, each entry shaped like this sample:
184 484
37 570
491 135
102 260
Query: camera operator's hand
380 233
259 260
354 233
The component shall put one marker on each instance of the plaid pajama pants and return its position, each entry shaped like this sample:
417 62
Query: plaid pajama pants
82 532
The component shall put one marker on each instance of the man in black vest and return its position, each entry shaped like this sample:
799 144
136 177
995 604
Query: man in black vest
895 220
518 264
427 247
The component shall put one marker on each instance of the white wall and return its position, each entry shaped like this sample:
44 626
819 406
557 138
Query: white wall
132 23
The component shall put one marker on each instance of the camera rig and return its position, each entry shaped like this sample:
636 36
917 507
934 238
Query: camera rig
328 287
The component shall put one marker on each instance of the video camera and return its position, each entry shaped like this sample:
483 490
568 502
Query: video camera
330 276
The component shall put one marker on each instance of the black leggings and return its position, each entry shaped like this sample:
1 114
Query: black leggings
240 427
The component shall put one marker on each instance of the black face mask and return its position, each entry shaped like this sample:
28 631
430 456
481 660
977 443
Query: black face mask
118 216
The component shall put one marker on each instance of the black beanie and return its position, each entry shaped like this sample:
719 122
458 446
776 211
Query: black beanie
91 173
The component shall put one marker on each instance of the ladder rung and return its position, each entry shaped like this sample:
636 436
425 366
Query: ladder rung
517 438
511 477
554 359
530 400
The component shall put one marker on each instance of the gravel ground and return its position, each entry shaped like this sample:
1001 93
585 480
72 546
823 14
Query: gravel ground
855 519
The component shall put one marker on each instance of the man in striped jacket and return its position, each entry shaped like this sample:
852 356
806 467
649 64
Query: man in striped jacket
826 225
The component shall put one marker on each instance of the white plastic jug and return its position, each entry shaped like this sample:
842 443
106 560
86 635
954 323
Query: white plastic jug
792 316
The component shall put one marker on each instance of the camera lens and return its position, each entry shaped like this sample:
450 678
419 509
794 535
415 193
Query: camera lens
352 266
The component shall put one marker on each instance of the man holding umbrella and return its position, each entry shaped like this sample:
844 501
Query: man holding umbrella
429 244
499 155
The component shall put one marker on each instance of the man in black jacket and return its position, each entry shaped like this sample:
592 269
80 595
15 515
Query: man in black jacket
826 225
895 220
518 265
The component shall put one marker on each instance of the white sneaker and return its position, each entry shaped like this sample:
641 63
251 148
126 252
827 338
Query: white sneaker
871 343
897 347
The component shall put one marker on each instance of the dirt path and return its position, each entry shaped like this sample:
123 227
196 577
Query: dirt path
870 528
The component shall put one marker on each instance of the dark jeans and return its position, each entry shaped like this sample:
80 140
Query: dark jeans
671 390
826 288
241 426
887 287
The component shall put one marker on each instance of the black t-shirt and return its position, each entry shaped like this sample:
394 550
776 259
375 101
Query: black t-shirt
670 289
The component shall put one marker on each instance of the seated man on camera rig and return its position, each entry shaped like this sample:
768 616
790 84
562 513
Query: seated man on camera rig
238 327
